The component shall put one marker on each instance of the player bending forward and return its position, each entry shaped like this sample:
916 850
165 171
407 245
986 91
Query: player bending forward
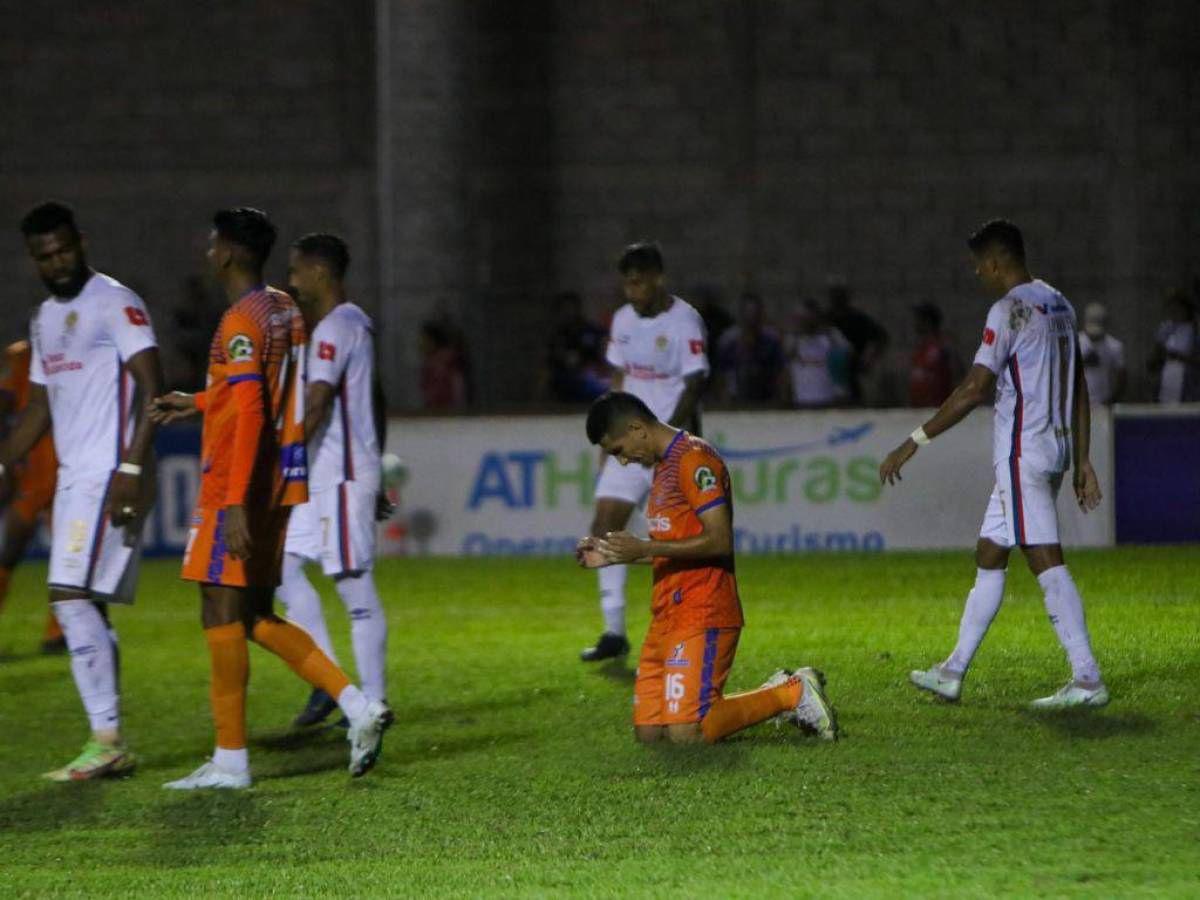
344 423
1030 361
253 472
697 616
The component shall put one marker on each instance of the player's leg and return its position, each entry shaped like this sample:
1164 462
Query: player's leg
368 630
619 490
1064 605
649 688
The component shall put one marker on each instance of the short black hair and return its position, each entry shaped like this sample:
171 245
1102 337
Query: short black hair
644 256
612 409
998 233
47 217
328 248
249 228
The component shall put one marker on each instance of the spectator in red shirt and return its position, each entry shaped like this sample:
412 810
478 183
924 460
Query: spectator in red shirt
935 365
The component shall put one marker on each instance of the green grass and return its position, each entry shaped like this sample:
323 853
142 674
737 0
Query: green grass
512 771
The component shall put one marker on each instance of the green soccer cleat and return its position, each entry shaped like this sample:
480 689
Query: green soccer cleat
934 680
1072 694
96 760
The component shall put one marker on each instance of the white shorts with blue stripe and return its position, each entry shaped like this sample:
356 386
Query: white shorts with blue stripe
336 527
1022 510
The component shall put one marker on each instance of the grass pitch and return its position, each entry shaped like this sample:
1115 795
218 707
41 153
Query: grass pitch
512 771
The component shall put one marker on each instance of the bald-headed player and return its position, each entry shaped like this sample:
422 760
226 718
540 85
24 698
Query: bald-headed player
1029 361
253 471
697 614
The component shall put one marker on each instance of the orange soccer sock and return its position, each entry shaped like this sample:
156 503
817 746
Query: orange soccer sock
731 714
53 630
294 646
230 672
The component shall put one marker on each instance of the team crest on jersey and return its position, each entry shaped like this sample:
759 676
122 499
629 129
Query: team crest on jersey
677 660
241 348
68 332
1018 316
660 342
705 479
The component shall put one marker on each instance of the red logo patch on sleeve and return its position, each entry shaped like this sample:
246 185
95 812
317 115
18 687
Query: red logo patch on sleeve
136 316
989 336
325 350
697 347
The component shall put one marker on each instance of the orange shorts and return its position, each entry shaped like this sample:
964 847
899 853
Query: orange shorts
207 560
680 674
33 493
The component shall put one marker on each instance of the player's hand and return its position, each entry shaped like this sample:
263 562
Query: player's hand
171 408
1087 487
588 555
237 532
384 507
123 503
619 547
889 471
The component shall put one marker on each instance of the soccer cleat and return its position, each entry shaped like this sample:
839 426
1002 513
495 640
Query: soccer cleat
210 775
317 710
814 712
366 737
934 680
97 760
610 646
1072 694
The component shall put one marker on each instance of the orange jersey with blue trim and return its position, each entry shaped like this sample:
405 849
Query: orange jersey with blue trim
261 339
689 594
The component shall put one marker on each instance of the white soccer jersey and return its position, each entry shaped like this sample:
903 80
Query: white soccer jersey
342 354
79 350
657 354
1029 342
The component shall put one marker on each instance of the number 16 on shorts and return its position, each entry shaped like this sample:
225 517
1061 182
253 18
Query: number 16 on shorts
674 690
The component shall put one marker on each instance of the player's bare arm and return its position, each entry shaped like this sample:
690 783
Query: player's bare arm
714 542
33 423
131 490
685 409
1085 482
173 407
974 390
383 506
318 404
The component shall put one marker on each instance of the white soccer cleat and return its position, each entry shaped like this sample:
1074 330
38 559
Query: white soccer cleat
814 711
1072 694
210 775
934 680
366 736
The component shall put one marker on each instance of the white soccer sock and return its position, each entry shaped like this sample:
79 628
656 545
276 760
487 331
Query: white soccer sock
232 760
1065 608
93 662
303 603
368 631
612 598
353 702
982 605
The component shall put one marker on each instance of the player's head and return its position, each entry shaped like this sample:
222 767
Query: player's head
56 248
641 268
999 252
1095 320
928 318
620 424
241 239
317 264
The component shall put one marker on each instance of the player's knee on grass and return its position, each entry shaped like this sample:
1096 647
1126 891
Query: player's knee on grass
649 734
691 733
611 515
1041 557
989 555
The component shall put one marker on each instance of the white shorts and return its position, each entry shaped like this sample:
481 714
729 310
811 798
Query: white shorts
336 527
630 483
1022 511
86 552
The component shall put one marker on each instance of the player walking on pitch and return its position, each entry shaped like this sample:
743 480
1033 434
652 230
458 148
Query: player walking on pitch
697 614
344 422
253 472
1030 361
93 361
657 350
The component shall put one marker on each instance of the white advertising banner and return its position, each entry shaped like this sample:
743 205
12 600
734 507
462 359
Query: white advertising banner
802 482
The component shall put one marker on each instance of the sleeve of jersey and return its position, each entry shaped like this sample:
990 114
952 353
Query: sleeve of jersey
996 345
330 348
694 346
131 328
703 480
243 349
36 373
612 352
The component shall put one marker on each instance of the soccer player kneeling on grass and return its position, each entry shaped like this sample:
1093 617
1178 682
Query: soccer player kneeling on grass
253 472
697 615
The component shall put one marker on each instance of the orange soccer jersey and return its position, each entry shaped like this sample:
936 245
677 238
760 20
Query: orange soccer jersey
36 477
252 447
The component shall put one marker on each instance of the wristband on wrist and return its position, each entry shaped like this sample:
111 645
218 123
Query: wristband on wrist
128 468
920 438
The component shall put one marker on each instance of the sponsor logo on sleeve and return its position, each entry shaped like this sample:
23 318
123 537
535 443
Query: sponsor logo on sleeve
136 316
705 479
326 351
241 348
696 346
989 336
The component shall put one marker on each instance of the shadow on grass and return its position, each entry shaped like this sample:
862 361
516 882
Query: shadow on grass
617 670
196 828
1090 724
685 760
442 749
53 807
298 738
